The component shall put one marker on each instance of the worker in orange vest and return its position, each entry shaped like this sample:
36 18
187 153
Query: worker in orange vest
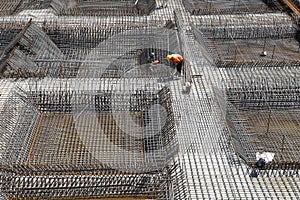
178 60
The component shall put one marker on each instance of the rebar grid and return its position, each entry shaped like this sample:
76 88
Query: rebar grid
262 114
241 20
75 7
102 49
122 136
251 44
15 6
196 7
102 7
92 129
30 44
155 185
211 166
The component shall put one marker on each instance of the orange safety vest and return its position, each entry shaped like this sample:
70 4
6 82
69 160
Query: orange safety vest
176 58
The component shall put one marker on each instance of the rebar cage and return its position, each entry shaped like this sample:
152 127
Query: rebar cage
262 115
208 7
81 7
124 136
85 114
240 44
98 50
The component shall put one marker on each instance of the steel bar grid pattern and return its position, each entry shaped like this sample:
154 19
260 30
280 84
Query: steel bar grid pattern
262 114
121 137
80 7
242 45
52 146
103 7
210 7
103 49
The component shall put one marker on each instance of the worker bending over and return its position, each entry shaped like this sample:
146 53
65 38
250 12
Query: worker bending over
178 60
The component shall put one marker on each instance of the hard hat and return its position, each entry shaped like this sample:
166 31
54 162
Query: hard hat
169 57
152 54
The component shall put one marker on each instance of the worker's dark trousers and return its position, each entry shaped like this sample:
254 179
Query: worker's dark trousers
179 67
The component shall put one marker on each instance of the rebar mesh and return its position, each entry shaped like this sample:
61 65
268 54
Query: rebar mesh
95 50
52 147
81 7
197 7
29 45
102 7
123 136
244 44
16 6
262 116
